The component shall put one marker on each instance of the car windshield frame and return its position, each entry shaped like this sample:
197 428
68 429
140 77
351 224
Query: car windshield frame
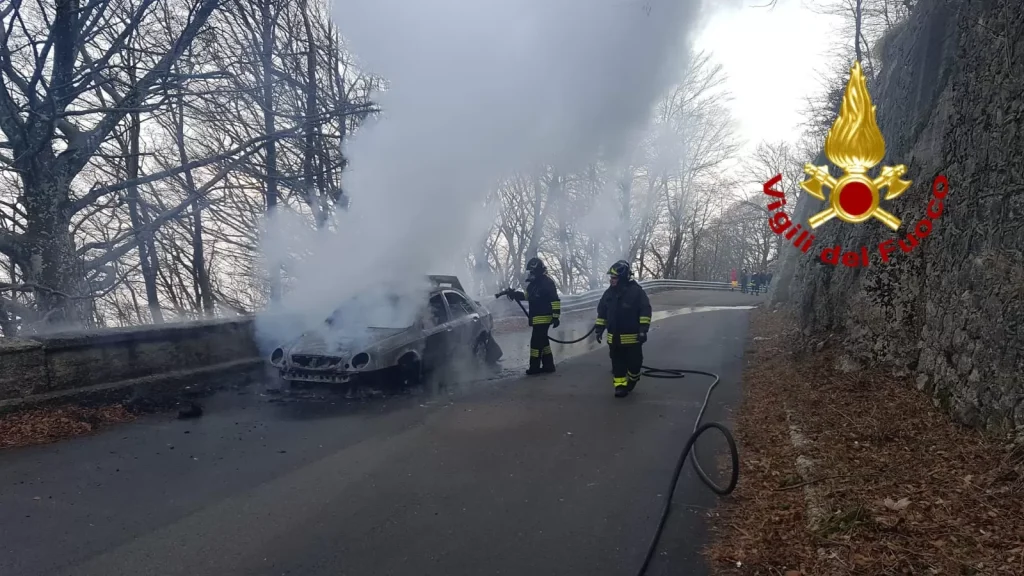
464 311
369 317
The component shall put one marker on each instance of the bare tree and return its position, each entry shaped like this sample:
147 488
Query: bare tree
53 60
668 198
142 140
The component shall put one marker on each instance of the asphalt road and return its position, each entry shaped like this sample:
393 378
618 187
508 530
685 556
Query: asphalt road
550 475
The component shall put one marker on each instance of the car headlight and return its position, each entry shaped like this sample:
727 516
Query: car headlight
277 356
360 360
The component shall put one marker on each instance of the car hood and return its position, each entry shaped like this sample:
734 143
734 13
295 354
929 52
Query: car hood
333 344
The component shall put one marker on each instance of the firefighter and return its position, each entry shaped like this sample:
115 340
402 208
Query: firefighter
545 308
625 312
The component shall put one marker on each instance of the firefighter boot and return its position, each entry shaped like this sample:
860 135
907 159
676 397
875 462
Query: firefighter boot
621 387
534 362
547 360
631 381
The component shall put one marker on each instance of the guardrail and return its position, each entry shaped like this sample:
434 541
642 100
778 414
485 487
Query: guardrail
585 300
589 299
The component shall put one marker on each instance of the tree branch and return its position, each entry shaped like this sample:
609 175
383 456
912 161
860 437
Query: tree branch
81 149
166 215
13 245
10 122
97 193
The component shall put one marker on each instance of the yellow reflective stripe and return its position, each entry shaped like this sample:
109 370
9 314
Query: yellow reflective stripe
628 338
536 320
599 322
619 382
556 305
645 319
534 353
632 377
547 350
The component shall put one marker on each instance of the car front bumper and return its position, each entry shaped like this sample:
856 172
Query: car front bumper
322 376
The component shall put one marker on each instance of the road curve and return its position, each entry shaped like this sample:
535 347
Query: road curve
547 475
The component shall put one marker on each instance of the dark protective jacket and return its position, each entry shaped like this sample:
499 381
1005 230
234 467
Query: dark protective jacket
542 296
625 312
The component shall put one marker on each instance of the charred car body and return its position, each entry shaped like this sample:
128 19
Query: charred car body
448 325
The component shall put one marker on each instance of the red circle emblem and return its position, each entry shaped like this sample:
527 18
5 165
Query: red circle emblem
855 198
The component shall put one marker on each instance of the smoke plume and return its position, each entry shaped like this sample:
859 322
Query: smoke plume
477 90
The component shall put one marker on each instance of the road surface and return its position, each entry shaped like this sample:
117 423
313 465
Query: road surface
550 475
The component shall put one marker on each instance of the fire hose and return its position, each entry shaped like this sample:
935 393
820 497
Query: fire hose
689 449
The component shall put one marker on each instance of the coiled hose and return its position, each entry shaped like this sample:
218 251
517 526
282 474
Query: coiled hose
689 449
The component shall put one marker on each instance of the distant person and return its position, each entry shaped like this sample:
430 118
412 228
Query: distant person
732 279
757 282
744 279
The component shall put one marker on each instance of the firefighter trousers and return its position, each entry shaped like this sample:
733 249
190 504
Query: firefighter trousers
540 348
627 362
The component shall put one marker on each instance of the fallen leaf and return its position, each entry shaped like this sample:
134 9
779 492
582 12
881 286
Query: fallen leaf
900 504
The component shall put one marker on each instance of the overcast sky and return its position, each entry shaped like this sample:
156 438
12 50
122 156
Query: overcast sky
770 57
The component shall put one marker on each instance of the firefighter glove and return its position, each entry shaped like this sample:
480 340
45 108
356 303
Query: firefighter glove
555 323
517 295
598 331
641 337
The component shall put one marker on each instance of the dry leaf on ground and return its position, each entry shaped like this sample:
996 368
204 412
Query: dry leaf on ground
42 426
896 486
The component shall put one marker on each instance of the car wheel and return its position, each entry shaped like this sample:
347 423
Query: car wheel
275 384
410 370
486 350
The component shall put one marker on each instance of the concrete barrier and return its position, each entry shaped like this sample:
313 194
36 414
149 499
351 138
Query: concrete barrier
127 363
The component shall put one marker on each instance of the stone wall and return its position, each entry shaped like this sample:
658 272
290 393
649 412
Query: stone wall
950 100
130 362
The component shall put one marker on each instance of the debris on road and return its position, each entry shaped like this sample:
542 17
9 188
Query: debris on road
45 425
189 409
900 487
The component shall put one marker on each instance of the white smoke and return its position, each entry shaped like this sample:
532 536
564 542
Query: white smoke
477 90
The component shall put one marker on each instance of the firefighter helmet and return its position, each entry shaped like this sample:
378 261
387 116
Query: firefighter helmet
621 270
535 266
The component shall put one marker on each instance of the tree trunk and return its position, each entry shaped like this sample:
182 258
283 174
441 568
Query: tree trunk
564 249
482 271
144 247
595 274
199 271
50 260
643 259
626 219
8 328
538 219
269 126
671 269
312 125
856 36
693 257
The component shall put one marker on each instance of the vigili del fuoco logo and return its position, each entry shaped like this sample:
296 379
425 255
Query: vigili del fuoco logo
855 145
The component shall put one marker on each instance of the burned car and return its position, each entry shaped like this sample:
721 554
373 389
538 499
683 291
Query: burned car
360 342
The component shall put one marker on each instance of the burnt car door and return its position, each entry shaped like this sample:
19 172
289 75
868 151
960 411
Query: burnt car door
437 332
464 318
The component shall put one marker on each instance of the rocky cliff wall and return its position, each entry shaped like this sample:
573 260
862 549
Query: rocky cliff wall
950 100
